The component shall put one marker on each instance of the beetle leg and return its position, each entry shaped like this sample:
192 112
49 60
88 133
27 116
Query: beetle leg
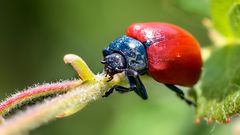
131 72
137 85
118 88
180 93
110 91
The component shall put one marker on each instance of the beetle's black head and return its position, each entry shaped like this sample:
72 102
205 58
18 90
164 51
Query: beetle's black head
114 63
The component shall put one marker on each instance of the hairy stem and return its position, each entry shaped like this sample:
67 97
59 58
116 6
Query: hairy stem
22 97
80 92
46 111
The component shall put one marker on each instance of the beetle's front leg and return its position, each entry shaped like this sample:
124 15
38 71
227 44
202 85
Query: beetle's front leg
131 72
136 83
118 88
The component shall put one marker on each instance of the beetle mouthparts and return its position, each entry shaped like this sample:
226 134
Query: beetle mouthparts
109 73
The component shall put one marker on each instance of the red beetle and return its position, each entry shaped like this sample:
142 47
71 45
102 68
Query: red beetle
166 52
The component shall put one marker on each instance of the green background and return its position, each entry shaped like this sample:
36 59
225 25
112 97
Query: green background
36 34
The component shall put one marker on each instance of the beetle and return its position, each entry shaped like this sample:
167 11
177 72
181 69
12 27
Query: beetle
166 52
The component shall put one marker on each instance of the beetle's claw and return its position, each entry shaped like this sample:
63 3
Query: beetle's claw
110 78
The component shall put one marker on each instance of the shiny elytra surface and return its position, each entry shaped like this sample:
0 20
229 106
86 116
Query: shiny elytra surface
173 54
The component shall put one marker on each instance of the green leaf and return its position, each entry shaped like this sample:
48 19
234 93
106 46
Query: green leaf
235 19
225 13
219 89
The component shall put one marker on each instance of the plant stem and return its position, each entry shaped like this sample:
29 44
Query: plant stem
79 97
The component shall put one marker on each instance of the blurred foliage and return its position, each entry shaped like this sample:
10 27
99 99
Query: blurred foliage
35 35
220 85
224 17
218 90
235 19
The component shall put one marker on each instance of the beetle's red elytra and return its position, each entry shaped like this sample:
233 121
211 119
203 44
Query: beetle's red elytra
173 55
